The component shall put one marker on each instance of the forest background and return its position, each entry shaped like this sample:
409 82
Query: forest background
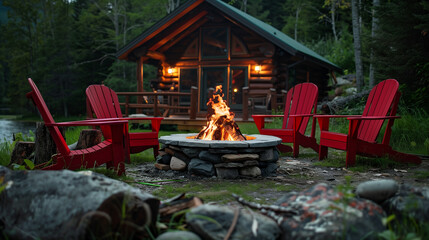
66 45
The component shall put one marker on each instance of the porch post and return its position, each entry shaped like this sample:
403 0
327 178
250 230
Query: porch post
139 82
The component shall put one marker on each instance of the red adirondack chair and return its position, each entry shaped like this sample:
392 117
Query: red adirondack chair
381 105
300 100
103 101
111 151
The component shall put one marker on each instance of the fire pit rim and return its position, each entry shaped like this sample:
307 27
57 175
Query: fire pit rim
182 141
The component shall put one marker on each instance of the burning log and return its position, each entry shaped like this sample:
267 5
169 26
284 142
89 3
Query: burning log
220 121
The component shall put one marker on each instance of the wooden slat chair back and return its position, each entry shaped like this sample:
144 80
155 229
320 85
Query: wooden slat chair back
361 138
300 106
382 98
110 151
301 99
38 100
103 102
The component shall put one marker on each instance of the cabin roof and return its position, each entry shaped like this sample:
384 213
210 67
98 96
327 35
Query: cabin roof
265 30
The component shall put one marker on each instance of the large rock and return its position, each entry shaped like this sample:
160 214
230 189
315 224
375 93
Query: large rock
409 202
213 222
239 157
324 213
72 205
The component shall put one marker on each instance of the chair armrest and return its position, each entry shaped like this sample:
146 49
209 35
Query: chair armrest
302 115
155 121
88 123
373 117
266 116
259 120
335 116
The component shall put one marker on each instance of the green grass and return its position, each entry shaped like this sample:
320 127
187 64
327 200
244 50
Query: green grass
220 191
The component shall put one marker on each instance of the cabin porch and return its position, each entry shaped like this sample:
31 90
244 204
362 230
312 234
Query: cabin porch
181 108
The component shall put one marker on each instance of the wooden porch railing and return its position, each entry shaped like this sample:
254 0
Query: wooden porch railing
169 102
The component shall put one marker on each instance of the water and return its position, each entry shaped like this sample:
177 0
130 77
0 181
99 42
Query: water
9 127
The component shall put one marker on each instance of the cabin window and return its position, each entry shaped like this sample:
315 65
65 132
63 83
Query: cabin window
214 43
192 49
188 78
238 47
212 76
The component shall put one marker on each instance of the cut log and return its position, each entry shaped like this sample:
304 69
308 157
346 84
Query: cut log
88 138
22 151
44 146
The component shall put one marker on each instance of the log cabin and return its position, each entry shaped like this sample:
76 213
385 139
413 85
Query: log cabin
204 43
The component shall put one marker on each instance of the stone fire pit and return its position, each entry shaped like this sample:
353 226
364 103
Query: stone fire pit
224 159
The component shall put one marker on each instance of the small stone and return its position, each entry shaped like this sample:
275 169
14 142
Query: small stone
250 163
267 155
223 151
210 157
250 171
239 157
163 167
177 164
169 151
227 173
191 152
175 235
269 170
200 167
377 190
229 165
164 159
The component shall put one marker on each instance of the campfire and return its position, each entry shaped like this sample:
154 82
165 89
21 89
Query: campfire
220 121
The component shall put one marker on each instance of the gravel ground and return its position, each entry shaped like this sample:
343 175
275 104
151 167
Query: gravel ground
301 173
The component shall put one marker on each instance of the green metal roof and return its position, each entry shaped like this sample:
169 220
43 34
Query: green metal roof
270 33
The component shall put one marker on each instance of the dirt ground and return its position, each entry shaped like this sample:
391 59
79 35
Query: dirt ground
301 173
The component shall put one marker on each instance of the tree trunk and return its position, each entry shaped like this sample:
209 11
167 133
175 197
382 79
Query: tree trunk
374 28
44 146
298 9
357 45
22 151
334 31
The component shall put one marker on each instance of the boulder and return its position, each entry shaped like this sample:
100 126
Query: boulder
213 222
324 213
239 157
72 205
409 202
227 173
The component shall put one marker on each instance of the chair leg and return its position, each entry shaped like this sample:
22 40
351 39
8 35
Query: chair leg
323 152
351 155
155 151
295 149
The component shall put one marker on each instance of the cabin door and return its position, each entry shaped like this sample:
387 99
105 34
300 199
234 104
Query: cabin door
237 80
211 77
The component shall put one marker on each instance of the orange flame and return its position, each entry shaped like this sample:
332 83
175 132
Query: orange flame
220 124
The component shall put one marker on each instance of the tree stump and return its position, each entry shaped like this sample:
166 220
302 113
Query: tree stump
88 138
44 146
22 151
